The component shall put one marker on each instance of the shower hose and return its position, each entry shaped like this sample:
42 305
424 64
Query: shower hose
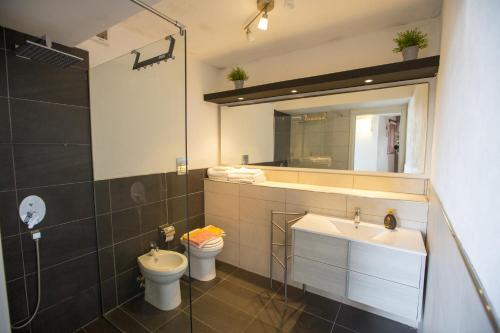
39 289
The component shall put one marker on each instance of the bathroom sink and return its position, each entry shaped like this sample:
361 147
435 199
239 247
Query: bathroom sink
400 238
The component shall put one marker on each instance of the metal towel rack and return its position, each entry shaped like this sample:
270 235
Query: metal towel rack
285 244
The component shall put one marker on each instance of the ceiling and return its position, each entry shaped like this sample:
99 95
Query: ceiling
215 27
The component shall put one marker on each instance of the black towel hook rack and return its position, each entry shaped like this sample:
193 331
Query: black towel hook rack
157 59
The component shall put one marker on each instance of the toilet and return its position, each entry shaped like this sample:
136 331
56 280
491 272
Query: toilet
202 260
162 270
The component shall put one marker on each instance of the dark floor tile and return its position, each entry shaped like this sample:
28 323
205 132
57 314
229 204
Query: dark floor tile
42 82
16 294
317 305
64 281
364 322
253 281
3 75
125 224
203 286
101 197
176 184
341 329
6 168
182 324
60 243
223 269
61 123
289 319
124 322
195 204
150 217
261 327
101 325
135 191
220 316
108 295
195 294
4 120
9 221
126 254
148 315
69 315
127 285
106 263
104 230
195 180
64 202
177 209
51 164
241 298
12 257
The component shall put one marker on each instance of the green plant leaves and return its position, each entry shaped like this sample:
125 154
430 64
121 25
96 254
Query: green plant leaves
412 37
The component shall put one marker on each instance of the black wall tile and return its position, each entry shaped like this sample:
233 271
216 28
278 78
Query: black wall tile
195 180
12 256
64 202
108 294
176 184
195 204
133 191
127 285
37 81
176 209
104 231
16 294
106 263
6 168
3 75
61 123
101 194
70 315
4 120
2 40
125 224
58 244
152 236
40 164
65 280
150 216
126 254
9 219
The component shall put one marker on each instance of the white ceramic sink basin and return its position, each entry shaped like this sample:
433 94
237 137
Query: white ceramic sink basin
402 239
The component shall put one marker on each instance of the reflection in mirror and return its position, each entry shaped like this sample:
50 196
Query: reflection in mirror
380 130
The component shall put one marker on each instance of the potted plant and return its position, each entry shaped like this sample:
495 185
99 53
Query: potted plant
409 42
238 76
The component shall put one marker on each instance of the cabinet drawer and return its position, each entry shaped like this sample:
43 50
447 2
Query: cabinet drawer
322 276
329 250
389 264
388 296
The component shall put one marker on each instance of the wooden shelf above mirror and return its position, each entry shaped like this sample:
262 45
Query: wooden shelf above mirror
399 71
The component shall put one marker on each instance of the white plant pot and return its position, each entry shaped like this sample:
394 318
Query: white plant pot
238 84
410 53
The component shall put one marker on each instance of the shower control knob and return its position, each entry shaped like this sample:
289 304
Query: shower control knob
32 210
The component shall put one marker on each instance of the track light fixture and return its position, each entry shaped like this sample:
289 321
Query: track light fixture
263 7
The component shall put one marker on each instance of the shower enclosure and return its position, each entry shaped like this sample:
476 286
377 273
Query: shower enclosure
142 185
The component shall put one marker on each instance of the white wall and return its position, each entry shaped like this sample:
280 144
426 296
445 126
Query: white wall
416 132
366 142
466 153
247 130
4 305
371 49
138 119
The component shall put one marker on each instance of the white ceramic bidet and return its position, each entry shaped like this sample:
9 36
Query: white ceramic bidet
161 270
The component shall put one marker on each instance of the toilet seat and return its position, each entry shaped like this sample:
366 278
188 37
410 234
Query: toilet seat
212 245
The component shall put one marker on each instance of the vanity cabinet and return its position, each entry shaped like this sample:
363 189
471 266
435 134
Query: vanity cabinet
387 279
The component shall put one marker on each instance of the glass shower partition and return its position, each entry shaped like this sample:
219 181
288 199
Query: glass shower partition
138 116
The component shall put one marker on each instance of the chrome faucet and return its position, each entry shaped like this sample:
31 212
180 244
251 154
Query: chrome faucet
357 217
153 248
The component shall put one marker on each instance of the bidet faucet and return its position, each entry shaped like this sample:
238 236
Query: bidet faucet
153 248
357 217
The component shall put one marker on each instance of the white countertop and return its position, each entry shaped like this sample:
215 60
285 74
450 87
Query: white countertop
399 239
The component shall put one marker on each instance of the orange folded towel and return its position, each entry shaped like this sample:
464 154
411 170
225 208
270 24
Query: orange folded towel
214 230
201 238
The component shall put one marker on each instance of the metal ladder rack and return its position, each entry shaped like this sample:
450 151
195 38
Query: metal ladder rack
285 244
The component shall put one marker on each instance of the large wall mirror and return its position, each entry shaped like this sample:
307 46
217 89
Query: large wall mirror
378 130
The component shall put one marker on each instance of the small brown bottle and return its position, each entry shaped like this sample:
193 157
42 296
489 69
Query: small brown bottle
390 220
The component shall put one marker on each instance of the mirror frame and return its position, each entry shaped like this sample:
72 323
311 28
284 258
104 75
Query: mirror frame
429 138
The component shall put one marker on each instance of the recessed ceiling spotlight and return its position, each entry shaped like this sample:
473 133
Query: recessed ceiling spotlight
368 81
293 91
240 98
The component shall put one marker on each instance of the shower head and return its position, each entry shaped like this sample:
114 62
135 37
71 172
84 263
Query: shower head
46 54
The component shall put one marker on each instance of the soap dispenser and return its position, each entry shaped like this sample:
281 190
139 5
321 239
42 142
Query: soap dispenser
390 220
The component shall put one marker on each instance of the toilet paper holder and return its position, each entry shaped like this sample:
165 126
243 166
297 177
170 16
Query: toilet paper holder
167 231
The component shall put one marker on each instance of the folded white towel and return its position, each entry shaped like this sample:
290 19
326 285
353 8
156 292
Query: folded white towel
245 171
219 171
224 178
248 180
222 168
